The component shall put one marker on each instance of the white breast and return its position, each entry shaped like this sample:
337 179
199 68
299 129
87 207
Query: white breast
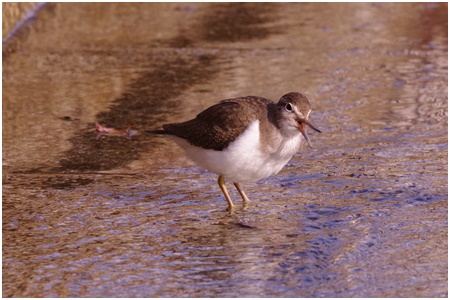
243 161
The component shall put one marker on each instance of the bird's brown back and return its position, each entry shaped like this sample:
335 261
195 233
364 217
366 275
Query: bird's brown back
219 125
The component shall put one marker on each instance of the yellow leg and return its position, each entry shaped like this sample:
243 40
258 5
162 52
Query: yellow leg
221 182
243 195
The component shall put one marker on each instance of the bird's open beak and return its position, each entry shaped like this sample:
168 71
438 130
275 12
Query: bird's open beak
302 128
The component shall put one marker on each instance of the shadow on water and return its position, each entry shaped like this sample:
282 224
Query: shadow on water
148 96
228 22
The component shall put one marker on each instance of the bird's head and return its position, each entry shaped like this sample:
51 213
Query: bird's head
293 110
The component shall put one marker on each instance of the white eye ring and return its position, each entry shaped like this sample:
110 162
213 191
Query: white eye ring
288 107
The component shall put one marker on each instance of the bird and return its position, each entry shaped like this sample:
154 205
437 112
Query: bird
244 139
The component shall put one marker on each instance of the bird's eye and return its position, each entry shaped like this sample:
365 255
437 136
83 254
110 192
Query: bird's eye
288 107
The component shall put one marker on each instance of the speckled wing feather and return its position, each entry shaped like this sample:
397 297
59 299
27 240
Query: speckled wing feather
219 125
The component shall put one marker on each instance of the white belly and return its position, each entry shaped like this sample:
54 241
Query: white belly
243 161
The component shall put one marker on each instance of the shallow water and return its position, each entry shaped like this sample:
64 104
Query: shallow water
363 214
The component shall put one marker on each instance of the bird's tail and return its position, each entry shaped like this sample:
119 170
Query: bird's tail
160 131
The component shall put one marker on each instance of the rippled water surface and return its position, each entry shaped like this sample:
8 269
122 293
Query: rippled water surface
363 214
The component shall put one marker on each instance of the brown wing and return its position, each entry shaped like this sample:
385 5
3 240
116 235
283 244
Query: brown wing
219 125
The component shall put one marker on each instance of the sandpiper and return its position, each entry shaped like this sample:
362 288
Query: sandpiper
244 139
